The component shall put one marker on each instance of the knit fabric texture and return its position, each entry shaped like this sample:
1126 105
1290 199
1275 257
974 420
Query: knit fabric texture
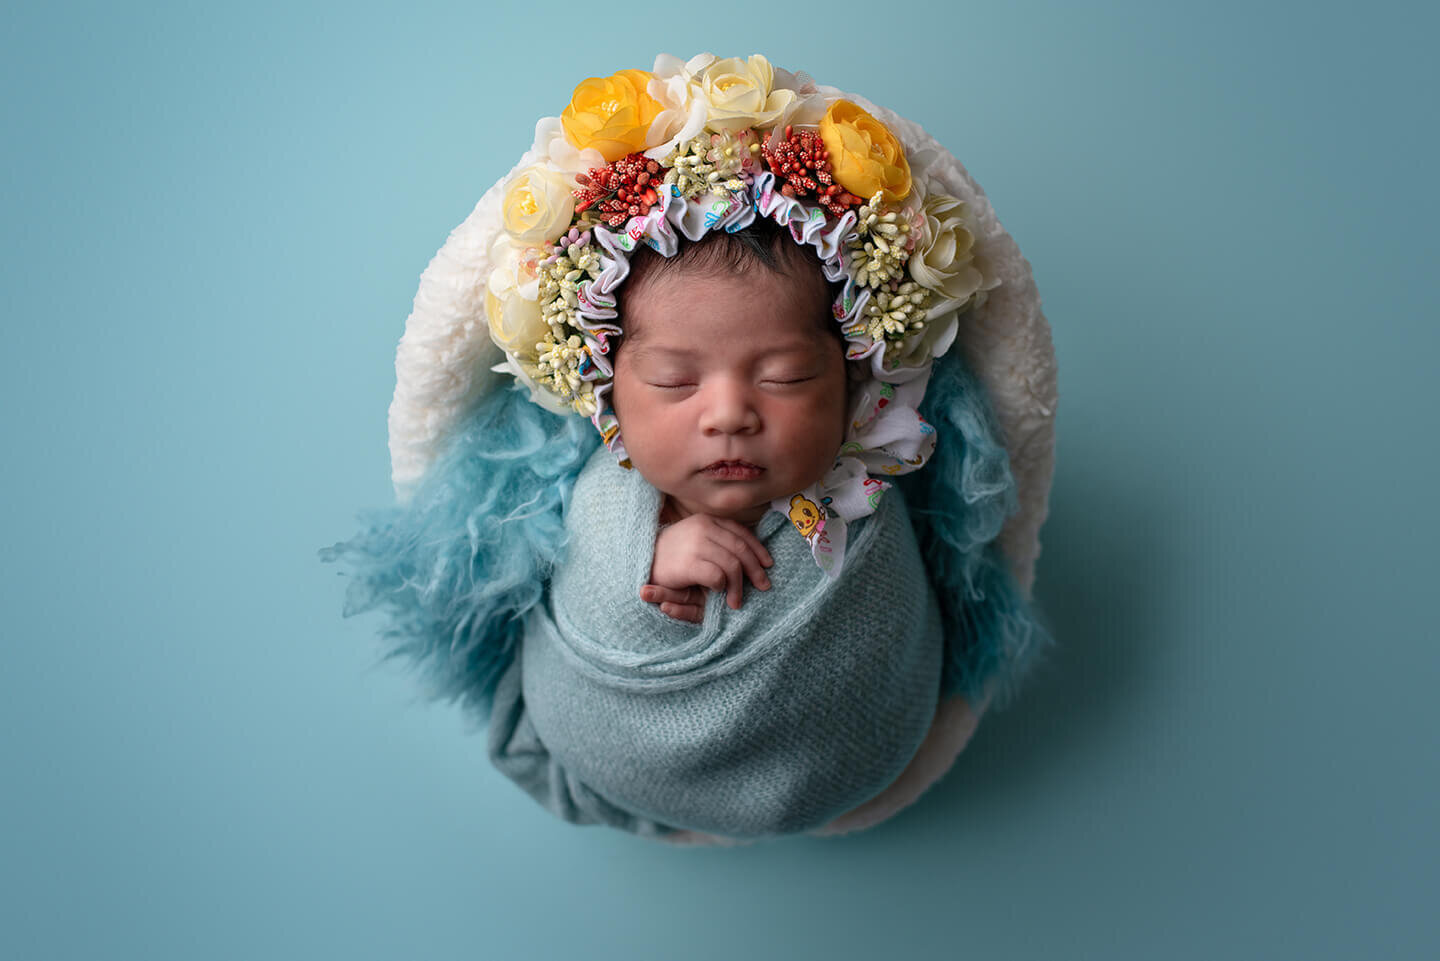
768 720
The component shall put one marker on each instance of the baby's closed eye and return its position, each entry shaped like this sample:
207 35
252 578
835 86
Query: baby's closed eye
792 372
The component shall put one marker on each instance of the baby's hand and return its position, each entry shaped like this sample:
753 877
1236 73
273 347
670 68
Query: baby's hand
704 552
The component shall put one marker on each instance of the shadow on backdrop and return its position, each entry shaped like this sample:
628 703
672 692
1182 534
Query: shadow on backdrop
1105 630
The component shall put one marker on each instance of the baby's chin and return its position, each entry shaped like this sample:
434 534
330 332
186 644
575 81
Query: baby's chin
675 508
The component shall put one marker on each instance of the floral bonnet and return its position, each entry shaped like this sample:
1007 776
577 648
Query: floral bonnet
526 288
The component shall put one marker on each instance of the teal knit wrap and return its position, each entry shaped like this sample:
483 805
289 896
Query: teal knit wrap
769 720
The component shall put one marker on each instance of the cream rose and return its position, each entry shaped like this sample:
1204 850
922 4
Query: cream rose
537 205
742 93
515 323
512 304
945 259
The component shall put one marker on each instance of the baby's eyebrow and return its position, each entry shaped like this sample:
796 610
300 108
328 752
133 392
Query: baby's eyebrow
686 351
645 348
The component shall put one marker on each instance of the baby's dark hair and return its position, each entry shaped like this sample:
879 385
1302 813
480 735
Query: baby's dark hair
764 243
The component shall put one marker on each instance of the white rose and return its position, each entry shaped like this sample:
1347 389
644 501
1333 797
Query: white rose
683 105
551 147
537 205
945 260
742 93
512 304
807 107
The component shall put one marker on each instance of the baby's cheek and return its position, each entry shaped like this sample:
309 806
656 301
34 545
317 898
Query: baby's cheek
831 417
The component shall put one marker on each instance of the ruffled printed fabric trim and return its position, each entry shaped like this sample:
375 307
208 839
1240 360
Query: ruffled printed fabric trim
808 225
886 435
661 229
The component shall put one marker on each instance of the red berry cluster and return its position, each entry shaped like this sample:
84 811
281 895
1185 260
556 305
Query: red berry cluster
800 159
621 190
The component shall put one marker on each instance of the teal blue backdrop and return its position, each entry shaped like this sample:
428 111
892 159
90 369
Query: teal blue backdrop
214 220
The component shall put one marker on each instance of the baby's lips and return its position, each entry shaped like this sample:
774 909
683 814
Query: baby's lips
733 469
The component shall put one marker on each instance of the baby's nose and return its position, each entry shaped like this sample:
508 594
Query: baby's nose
729 409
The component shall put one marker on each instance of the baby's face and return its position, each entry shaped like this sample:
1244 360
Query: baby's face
728 393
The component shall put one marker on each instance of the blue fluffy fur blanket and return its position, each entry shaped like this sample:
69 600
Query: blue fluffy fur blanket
457 571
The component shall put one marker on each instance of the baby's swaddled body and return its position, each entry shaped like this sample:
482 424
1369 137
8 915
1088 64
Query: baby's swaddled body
771 719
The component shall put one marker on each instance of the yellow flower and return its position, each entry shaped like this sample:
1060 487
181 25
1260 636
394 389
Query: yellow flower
865 155
612 114
537 205
944 260
741 93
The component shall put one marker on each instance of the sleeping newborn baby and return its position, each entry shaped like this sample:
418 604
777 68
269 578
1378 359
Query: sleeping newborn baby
693 666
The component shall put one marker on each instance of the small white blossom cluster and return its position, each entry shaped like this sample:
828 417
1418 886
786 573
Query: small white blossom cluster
710 162
880 246
561 368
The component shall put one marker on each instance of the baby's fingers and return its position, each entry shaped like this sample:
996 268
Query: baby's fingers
655 594
720 570
686 605
739 540
683 612
749 537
